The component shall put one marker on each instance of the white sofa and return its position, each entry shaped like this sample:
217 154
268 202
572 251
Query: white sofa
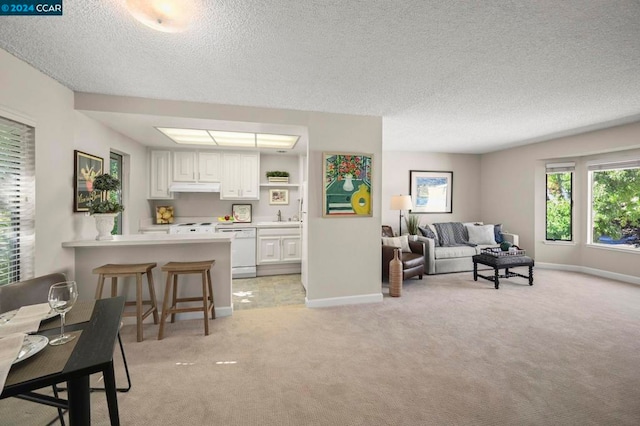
442 260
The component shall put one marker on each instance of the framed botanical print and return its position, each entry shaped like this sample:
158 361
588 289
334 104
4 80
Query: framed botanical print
431 191
86 168
278 196
346 189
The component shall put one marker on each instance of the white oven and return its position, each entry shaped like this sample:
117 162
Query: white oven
192 228
243 251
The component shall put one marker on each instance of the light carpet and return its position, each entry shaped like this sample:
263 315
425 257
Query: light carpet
450 351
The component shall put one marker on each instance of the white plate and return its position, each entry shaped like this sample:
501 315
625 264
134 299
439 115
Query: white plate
32 344
5 317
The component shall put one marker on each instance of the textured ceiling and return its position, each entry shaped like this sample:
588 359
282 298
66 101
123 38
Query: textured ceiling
447 76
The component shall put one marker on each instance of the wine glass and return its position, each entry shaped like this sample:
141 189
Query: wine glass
62 296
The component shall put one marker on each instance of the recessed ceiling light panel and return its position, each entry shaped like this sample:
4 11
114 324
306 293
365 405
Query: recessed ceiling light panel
187 136
239 139
264 140
230 139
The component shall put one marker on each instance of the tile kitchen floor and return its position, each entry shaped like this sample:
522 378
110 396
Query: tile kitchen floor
268 292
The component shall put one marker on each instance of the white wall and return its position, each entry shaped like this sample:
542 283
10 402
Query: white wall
94 138
344 253
50 108
466 186
513 191
59 130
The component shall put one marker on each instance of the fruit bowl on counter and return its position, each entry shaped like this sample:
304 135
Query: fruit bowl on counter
225 219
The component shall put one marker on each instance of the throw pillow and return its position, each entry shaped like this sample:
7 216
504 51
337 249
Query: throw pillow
481 234
401 242
497 233
428 232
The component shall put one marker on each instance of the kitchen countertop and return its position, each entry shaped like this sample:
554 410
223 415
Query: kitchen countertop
153 239
160 228
258 225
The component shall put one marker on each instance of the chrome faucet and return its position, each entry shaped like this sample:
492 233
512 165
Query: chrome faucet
279 216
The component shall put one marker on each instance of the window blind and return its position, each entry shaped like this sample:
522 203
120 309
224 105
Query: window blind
560 167
626 164
17 201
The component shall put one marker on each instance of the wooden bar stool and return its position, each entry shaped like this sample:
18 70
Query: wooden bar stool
173 270
114 271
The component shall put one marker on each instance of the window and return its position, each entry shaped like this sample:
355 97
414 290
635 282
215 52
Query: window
615 203
115 170
559 223
17 201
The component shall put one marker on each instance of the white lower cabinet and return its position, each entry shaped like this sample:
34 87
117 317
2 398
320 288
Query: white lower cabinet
281 245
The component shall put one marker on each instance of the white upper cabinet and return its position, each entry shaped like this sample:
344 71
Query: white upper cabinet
160 175
240 176
190 166
184 166
209 167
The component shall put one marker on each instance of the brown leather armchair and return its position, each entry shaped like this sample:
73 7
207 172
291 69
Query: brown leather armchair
412 263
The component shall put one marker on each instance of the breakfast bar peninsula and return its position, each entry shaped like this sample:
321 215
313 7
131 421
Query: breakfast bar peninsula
160 249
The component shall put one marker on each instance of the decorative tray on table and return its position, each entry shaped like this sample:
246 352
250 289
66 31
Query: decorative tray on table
498 252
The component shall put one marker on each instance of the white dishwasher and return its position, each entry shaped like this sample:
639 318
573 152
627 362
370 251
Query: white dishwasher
243 251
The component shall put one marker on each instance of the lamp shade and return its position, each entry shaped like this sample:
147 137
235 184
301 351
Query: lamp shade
401 202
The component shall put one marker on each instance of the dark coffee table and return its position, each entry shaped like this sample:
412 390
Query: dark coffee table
502 262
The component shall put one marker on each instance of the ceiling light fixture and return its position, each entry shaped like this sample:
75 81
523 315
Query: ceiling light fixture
232 139
169 16
188 136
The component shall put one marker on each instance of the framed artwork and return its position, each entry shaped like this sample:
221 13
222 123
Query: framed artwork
86 168
346 190
241 213
431 192
278 196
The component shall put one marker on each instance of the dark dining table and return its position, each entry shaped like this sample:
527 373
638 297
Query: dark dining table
93 353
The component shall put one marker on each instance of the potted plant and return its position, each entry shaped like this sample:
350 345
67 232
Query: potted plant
413 223
278 177
103 209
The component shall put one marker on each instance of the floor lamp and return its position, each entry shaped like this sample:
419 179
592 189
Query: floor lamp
401 202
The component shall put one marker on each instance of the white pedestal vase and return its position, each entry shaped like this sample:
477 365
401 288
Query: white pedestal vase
104 225
348 183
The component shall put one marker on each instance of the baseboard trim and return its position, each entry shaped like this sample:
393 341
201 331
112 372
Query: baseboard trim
346 300
278 269
591 271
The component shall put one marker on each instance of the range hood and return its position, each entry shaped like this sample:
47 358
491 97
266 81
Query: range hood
194 187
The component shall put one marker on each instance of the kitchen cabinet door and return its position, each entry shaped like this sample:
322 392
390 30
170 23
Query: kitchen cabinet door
291 249
268 250
160 175
240 176
209 167
184 166
250 176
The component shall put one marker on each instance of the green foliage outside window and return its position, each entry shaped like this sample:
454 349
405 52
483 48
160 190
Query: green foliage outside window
559 190
616 204
115 167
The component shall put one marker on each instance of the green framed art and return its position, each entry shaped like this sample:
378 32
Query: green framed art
347 184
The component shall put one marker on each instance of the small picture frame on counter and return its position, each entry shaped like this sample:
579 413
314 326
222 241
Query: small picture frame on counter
278 196
241 213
